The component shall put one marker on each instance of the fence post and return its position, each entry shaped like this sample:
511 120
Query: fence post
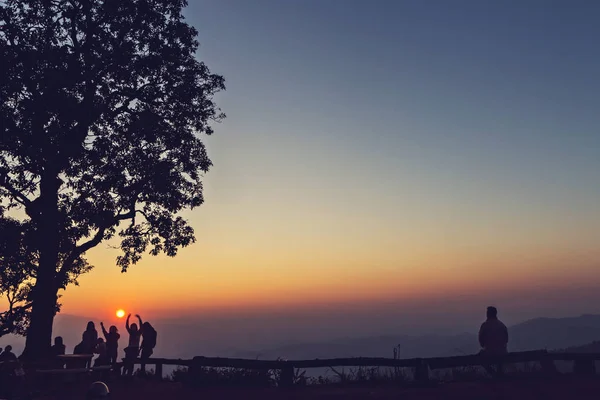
422 372
287 376
548 366
159 371
584 367
193 378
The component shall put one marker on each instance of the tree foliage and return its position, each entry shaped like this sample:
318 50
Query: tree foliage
102 103
19 261
17 268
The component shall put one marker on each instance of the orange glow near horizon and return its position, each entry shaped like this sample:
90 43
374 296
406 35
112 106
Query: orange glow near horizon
152 289
241 264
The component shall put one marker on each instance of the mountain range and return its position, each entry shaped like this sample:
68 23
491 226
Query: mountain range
538 333
188 339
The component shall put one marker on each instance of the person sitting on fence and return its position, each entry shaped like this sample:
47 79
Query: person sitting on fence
79 349
58 349
8 355
112 342
493 338
493 334
148 343
102 353
133 349
12 376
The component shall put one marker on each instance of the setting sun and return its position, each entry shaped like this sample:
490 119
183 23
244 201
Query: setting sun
120 313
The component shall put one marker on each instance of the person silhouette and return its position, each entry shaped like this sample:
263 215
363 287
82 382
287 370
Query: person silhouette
134 332
8 355
493 339
58 349
102 353
148 343
79 349
112 342
133 349
493 334
89 339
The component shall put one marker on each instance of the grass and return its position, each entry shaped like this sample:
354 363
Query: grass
360 376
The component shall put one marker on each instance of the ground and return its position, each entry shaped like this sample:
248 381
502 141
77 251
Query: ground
558 388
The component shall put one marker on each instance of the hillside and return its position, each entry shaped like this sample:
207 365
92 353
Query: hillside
188 340
555 333
539 333
593 347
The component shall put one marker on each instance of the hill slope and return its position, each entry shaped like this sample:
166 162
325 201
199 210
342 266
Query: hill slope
539 333
183 341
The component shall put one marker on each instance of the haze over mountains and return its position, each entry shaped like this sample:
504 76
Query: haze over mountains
539 333
185 339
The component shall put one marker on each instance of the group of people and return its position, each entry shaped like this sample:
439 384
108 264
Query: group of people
107 348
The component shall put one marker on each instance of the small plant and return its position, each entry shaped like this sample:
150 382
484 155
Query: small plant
371 375
224 377
144 373
179 374
470 373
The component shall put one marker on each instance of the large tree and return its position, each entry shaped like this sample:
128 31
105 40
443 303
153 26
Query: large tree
19 258
17 268
101 106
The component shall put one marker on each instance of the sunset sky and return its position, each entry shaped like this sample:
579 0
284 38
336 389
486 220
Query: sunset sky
386 151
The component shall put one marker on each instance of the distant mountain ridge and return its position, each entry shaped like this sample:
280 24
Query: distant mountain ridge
538 333
593 347
185 341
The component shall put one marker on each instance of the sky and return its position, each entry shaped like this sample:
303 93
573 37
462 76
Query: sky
386 155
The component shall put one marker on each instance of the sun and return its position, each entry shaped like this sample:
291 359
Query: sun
120 313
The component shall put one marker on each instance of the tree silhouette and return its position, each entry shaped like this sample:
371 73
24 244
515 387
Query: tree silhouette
17 267
101 107
19 259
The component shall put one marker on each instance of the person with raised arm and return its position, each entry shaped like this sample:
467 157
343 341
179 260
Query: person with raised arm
112 342
133 348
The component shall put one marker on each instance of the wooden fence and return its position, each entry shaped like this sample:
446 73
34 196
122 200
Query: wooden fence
583 363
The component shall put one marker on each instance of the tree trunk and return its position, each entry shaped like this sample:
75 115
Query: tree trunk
45 292
39 334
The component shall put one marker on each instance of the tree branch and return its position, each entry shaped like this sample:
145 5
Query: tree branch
77 252
93 242
18 196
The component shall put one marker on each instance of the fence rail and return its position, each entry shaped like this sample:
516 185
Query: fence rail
583 363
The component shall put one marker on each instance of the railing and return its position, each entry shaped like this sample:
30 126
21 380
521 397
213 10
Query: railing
583 363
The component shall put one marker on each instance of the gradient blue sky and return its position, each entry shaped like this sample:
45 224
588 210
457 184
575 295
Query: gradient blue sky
387 150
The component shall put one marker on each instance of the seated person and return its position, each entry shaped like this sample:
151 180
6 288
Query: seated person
8 355
102 353
80 349
493 339
59 348
493 334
